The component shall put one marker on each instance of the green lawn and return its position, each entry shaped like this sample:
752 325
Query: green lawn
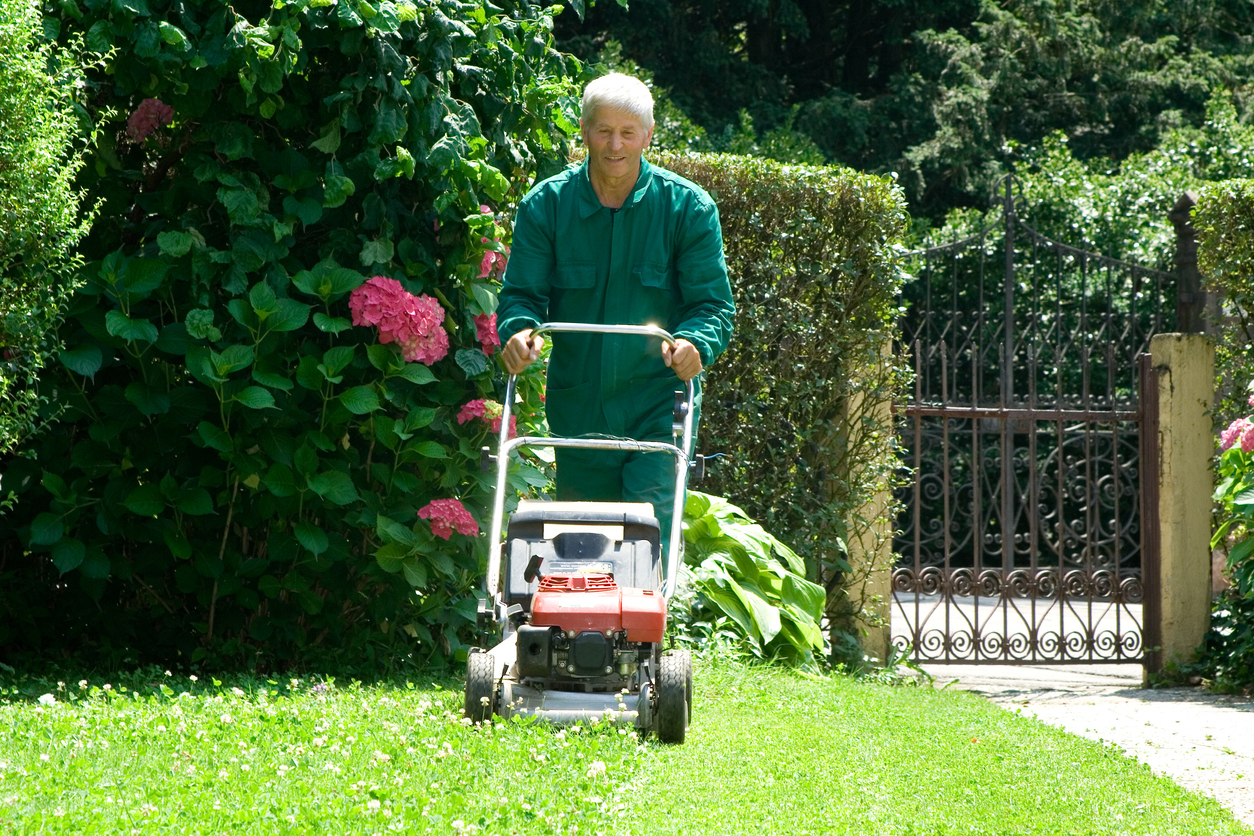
769 752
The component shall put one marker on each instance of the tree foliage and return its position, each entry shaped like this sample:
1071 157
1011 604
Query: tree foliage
40 145
939 92
240 471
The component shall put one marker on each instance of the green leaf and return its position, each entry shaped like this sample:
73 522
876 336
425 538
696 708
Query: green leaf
377 252
175 243
417 373
360 400
415 573
274 381
308 375
312 537
290 316
215 437
280 481
430 450
472 362
46 529
147 400
804 596
338 189
485 297
68 554
262 298
145 501
381 357
392 531
331 325
335 487
390 555
196 502
1241 551
329 142
255 397
178 544
85 360
337 359
120 325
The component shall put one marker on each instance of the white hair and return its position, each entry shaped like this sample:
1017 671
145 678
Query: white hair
621 92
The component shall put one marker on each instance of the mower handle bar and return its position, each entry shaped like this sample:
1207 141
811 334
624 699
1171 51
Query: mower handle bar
506 445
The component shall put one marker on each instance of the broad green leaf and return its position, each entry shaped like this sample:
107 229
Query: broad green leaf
274 381
176 243
233 358
337 190
335 487
390 555
196 502
308 375
178 544
56 486
68 554
394 532
215 437
147 400
337 359
417 373
85 359
1241 551
96 565
144 275
485 297
289 316
312 537
329 142
472 361
46 529
255 397
145 501
381 357
262 298
804 596
360 400
120 325
330 324
415 572
377 252
280 481
430 450
305 460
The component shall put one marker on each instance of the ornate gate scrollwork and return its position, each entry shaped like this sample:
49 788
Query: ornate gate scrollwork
1021 531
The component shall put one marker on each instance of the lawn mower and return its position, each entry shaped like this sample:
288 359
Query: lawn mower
576 597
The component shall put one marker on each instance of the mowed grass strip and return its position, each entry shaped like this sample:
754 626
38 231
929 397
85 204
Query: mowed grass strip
256 757
775 753
770 752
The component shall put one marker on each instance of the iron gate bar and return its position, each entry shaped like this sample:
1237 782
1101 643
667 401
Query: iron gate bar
1079 436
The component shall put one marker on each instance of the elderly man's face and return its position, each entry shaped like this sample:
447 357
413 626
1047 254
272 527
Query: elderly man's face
615 141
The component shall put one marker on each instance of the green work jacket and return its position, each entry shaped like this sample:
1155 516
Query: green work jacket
658 260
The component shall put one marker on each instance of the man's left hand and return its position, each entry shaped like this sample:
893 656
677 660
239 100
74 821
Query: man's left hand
683 359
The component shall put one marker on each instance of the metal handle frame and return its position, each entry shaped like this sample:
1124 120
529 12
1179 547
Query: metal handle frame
507 445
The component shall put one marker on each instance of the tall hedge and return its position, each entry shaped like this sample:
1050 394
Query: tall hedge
1224 219
240 472
796 403
40 141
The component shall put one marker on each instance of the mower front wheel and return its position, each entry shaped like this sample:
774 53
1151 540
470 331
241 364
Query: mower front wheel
480 686
672 700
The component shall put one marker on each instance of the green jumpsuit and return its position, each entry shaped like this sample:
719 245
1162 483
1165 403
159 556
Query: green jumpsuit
658 260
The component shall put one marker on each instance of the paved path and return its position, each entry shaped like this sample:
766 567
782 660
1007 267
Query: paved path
1202 741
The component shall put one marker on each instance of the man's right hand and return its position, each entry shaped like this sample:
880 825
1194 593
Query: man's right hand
521 351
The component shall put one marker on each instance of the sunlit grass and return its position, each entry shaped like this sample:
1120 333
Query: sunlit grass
769 753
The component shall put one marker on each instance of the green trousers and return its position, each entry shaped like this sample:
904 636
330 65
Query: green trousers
619 476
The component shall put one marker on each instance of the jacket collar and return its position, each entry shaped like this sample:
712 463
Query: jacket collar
590 205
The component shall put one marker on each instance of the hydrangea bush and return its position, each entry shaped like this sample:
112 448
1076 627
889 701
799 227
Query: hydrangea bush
288 302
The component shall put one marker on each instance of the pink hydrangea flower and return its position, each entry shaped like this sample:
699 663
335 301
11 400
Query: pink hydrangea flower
1233 433
447 516
493 264
485 330
1250 400
415 323
489 412
1247 438
150 115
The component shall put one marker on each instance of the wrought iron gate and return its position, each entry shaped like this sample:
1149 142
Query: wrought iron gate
1021 535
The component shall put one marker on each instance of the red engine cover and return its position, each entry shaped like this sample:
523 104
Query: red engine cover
595 602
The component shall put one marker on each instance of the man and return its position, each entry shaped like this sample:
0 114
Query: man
616 241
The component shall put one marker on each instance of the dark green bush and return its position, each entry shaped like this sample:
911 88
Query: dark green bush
796 402
239 472
1224 219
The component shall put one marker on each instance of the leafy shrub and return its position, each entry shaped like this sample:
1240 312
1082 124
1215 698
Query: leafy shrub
1224 218
240 472
795 403
40 145
748 585
1227 655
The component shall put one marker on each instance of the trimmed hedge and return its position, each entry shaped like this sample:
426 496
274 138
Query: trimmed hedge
240 473
816 270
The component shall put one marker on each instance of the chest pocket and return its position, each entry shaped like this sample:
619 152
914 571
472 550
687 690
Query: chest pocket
575 276
654 298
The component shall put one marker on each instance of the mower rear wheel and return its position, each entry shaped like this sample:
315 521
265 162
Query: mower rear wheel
672 699
480 687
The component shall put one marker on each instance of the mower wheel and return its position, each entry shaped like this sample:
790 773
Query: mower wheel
686 657
480 686
672 699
